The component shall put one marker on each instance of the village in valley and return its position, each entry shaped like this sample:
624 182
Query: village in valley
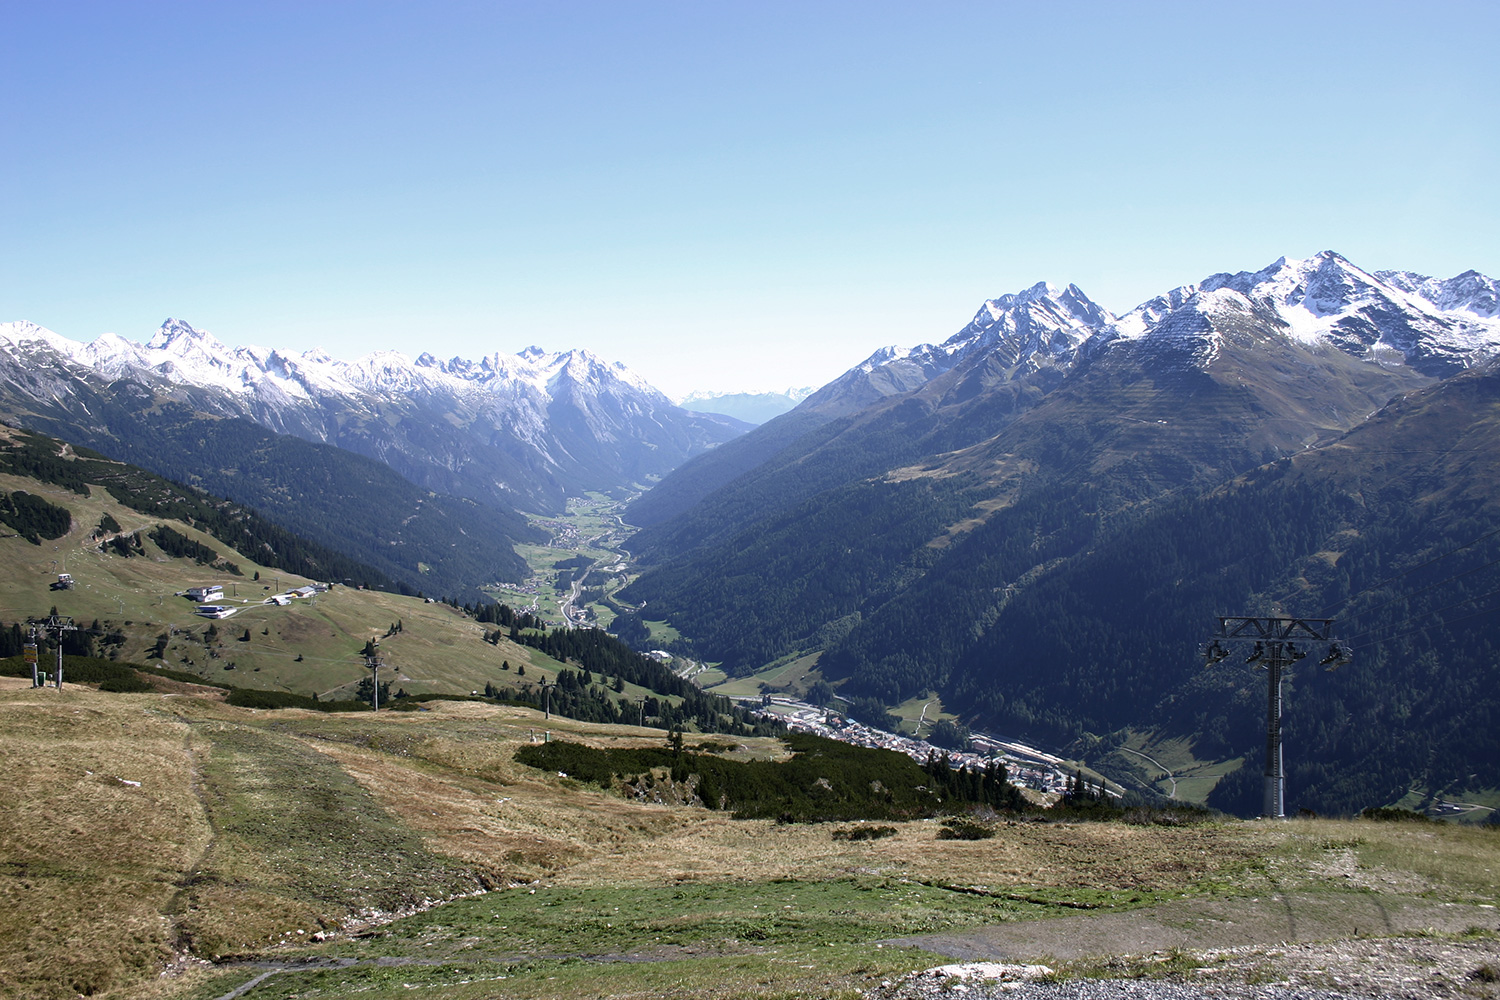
591 532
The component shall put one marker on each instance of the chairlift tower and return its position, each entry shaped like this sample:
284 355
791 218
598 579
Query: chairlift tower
1275 651
373 662
56 625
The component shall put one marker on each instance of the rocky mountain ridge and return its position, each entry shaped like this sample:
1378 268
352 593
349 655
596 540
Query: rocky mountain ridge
513 430
1025 345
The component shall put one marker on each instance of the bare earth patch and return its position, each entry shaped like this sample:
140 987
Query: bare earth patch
1204 925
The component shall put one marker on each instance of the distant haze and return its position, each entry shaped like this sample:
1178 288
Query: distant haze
751 407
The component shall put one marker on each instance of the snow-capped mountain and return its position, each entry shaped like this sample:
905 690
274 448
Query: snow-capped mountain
959 474
1435 326
524 429
1042 327
1366 336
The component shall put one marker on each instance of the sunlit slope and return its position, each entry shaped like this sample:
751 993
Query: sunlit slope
311 645
136 826
143 832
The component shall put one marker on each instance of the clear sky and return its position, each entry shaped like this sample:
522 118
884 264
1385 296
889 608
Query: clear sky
721 195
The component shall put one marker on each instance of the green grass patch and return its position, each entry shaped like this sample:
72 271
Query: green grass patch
1170 759
1455 862
321 846
712 679
606 921
803 972
718 939
789 675
662 634
918 715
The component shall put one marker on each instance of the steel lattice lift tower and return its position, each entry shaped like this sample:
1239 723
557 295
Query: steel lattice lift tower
56 625
1275 651
374 663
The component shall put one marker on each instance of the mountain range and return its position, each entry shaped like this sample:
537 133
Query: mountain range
524 430
413 467
900 517
1021 346
1032 520
751 407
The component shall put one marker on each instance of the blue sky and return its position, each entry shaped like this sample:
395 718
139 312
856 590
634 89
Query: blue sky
721 195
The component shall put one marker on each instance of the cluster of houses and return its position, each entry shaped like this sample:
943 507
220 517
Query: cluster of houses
207 598
1027 766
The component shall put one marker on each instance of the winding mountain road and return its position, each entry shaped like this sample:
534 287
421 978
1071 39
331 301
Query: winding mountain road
1170 776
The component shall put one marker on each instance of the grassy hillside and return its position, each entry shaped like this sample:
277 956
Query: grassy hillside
311 646
126 586
129 563
336 498
151 832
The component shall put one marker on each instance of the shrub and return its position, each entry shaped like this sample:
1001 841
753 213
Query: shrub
1394 814
864 833
962 828
126 684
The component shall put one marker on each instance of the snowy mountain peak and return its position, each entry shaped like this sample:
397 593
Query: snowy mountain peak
21 338
1437 326
885 355
1322 284
1037 292
176 335
1325 300
531 425
1041 326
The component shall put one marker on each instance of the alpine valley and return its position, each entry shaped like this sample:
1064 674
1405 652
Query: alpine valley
1034 522
1038 520
394 460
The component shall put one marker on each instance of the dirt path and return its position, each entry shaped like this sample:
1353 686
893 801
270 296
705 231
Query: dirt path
1201 925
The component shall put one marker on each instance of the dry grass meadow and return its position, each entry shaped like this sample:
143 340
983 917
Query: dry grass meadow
169 846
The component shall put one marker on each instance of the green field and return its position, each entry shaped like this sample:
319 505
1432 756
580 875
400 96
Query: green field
918 714
1169 760
791 676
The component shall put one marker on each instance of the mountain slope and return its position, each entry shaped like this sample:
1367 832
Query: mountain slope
50 464
1081 563
1020 346
1027 341
420 541
1076 421
1391 531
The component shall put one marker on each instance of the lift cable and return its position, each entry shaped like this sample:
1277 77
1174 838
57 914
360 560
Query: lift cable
1432 586
1403 621
1392 579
